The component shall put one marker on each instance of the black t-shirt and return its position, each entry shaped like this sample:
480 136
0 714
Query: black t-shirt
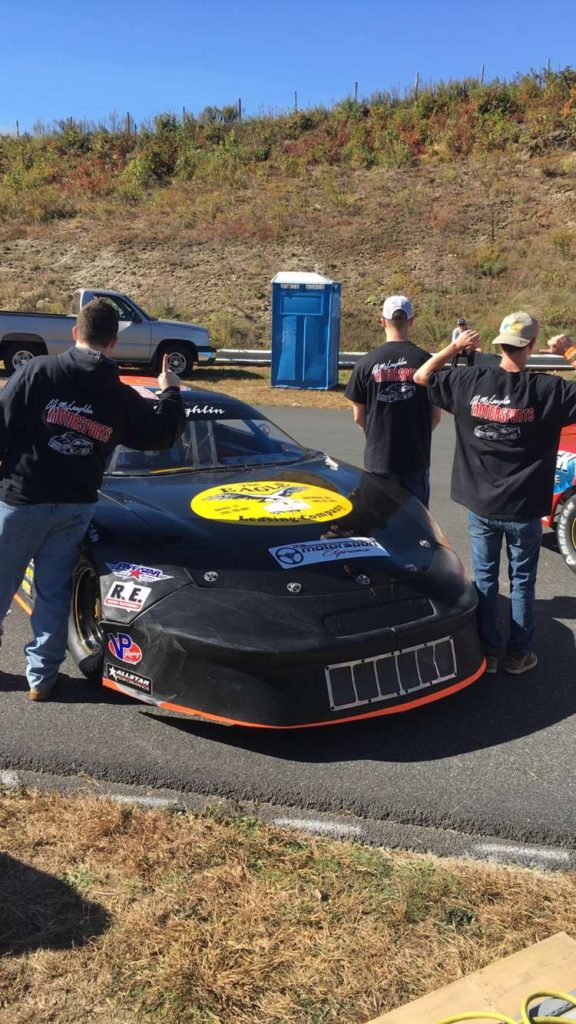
398 429
507 432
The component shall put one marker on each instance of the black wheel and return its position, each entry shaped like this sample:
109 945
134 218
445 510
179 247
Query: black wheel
566 532
17 354
85 636
181 357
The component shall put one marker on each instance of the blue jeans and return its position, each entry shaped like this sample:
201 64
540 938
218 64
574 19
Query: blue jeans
523 538
52 535
417 484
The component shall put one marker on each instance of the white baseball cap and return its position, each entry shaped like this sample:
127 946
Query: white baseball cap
394 303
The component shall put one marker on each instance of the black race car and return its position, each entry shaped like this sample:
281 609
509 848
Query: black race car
242 578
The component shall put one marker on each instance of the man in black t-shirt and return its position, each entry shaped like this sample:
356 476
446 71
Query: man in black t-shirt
394 414
508 425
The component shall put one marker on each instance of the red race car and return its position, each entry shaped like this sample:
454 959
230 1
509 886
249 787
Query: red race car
562 518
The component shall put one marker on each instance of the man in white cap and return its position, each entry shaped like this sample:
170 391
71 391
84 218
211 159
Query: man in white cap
508 424
394 414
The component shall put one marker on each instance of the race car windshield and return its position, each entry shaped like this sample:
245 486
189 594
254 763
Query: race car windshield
213 444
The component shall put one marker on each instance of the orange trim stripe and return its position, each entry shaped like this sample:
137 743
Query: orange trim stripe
20 600
313 725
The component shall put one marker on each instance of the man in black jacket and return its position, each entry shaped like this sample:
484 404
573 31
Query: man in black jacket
60 418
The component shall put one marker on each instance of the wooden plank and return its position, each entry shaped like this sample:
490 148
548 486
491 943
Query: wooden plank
502 986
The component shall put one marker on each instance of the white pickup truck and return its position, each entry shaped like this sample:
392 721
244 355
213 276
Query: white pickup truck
141 339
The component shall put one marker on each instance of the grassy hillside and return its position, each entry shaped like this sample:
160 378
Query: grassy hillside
463 196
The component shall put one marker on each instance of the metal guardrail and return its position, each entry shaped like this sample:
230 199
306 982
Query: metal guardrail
263 357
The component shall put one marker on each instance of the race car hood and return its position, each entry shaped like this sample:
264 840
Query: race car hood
309 517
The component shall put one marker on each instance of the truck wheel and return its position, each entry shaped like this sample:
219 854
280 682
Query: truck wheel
85 636
181 358
17 354
566 532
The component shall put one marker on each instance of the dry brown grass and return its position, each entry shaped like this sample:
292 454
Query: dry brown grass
175 919
474 237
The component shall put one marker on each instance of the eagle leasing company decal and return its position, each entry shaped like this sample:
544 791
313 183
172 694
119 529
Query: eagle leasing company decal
310 551
263 502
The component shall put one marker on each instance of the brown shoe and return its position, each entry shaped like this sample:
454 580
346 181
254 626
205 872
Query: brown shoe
515 664
45 694
491 664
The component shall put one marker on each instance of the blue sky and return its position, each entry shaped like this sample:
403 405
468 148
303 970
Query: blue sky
87 59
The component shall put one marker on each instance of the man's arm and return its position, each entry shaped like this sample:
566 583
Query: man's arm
435 416
562 345
12 400
148 429
359 415
467 342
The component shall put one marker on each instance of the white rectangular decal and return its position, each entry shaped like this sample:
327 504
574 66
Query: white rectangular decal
289 556
129 596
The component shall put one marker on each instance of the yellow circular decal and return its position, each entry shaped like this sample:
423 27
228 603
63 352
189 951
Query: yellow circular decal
263 502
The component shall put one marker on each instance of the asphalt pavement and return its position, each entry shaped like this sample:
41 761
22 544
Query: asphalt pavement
496 759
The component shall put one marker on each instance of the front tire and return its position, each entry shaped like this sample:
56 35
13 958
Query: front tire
85 636
181 358
566 532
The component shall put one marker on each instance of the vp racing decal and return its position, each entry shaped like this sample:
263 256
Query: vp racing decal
128 596
124 677
123 647
133 571
262 502
311 551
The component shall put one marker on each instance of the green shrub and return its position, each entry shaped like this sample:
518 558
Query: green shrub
488 262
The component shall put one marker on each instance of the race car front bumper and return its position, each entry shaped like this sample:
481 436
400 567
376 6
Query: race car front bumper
274 662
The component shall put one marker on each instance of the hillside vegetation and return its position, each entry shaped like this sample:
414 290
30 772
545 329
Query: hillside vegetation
463 196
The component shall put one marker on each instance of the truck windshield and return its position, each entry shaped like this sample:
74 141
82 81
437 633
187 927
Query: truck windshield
212 444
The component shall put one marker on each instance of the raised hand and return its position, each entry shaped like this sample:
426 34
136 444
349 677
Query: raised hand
559 344
167 378
468 341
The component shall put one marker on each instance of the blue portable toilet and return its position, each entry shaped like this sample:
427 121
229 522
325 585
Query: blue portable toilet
305 330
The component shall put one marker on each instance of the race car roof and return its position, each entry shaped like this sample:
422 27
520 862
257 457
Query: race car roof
200 404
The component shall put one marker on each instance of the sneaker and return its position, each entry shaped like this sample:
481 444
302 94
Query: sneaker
491 664
45 694
515 664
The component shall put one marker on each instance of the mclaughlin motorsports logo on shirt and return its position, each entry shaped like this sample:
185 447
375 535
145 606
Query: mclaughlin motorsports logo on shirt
262 502
397 377
503 419
80 431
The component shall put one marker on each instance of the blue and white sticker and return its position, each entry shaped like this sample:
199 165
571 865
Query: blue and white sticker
289 556
132 571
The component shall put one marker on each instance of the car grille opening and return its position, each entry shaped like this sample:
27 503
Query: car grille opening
369 680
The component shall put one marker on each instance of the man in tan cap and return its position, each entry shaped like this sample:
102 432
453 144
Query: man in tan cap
508 424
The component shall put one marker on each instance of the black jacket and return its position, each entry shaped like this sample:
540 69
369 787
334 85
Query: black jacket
61 416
